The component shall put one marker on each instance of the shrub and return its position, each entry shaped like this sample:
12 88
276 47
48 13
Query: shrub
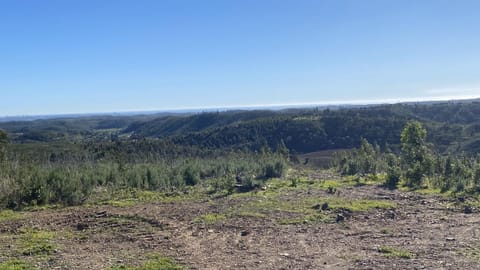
393 177
191 175
275 170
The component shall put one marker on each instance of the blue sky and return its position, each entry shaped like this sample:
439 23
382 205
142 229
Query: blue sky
81 56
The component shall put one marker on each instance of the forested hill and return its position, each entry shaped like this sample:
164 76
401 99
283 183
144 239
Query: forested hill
182 124
452 126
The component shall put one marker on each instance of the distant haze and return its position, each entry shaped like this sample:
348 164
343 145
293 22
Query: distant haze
332 105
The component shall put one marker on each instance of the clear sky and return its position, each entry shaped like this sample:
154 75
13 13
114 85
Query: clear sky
76 56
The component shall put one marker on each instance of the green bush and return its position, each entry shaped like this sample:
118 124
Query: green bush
191 175
275 169
393 177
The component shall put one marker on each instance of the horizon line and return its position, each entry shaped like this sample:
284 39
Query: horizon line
278 106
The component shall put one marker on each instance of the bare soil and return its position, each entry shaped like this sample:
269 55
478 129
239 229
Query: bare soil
433 229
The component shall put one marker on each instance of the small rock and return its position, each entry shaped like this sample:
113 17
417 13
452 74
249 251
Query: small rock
467 209
340 218
390 215
284 254
82 226
101 214
346 213
210 231
244 233
325 206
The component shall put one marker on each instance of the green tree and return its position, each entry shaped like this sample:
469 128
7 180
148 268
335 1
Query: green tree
3 145
393 171
191 175
416 155
282 150
366 156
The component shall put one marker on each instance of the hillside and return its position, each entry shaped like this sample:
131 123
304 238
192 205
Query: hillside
452 126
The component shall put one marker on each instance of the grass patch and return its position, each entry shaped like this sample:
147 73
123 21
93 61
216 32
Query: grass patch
6 215
425 189
278 200
304 205
304 183
37 243
209 219
269 204
15 265
374 179
328 184
130 197
154 263
472 253
121 203
395 252
359 205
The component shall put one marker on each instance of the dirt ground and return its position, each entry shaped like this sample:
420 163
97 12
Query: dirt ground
434 232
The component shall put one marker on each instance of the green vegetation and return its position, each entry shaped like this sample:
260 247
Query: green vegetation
74 183
132 196
15 265
452 127
66 161
472 253
6 215
415 154
260 162
417 166
37 243
302 209
210 219
395 252
359 205
155 263
3 146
